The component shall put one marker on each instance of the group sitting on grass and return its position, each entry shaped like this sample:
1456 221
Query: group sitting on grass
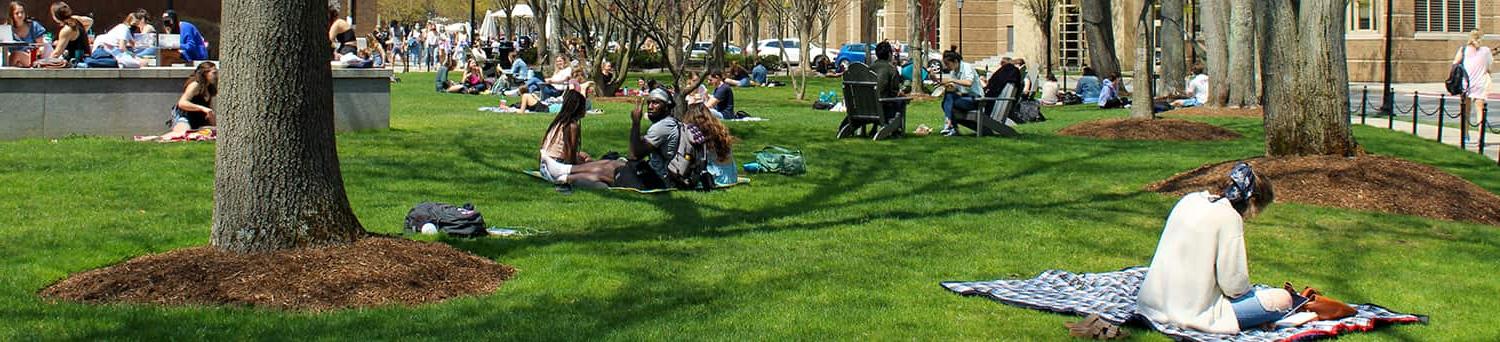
693 151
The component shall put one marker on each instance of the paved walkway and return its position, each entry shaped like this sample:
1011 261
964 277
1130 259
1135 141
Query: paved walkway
1451 135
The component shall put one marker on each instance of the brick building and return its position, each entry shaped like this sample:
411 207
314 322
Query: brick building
1427 32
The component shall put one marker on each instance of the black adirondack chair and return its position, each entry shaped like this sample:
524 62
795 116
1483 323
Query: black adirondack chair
868 113
992 119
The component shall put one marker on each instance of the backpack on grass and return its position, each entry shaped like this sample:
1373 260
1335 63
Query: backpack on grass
777 159
448 219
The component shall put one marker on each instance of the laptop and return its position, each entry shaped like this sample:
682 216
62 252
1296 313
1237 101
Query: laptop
7 35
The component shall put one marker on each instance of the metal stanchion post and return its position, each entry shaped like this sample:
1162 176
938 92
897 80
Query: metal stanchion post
1441 102
1364 99
1484 123
1417 114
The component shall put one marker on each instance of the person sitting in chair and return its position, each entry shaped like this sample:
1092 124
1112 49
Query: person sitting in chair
960 90
1199 278
562 160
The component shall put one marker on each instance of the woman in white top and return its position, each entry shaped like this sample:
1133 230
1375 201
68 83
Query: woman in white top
1199 278
1049 91
1476 60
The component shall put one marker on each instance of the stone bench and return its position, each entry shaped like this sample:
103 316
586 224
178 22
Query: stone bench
127 102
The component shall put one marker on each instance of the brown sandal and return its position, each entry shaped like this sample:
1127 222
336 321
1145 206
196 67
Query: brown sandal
1095 327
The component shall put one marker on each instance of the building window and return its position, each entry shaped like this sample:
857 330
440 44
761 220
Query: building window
1010 39
1072 48
1454 16
1361 15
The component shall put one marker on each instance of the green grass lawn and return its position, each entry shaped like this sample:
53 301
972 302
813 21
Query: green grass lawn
854 249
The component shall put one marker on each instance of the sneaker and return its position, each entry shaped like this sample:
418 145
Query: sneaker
512 92
949 132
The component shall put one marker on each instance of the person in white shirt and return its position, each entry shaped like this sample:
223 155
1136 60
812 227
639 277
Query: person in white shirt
123 37
1199 278
1049 91
1197 90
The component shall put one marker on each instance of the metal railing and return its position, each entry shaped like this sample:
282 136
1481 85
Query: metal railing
1364 107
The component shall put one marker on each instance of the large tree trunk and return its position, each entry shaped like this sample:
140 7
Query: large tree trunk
917 50
1306 102
1145 86
554 37
1100 30
1173 59
1215 17
750 30
1242 92
868 32
276 179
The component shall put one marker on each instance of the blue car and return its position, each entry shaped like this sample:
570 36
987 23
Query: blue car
852 53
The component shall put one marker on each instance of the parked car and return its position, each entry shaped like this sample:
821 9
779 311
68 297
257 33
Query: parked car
793 48
853 53
699 50
934 58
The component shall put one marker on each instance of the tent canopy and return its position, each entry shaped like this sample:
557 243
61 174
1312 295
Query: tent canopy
520 11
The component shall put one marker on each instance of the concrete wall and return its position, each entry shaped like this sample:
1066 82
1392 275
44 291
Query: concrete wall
127 102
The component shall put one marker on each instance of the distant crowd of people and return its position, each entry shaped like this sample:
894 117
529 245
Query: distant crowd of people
73 43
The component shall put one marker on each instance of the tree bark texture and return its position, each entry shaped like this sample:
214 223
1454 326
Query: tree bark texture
277 184
867 10
1306 103
1100 32
1215 16
1145 85
917 48
1242 56
1173 58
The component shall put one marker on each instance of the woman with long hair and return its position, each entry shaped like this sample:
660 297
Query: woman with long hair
194 109
718 140
71 43
1476 59
340 33
562 161
25 30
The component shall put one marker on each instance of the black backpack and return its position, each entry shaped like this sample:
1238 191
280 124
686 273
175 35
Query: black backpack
457 221
1027 111
1457 77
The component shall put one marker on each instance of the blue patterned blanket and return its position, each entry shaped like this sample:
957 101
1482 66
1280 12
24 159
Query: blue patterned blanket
1111 295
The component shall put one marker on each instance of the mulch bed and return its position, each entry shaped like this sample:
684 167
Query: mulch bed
372 271
1373 183
1157 129
1222 112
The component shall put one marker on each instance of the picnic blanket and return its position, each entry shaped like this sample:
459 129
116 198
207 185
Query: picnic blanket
1112 295
742 180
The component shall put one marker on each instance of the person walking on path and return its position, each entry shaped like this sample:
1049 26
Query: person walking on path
1476 59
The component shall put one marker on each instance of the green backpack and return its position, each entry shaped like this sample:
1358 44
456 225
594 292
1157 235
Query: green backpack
781 160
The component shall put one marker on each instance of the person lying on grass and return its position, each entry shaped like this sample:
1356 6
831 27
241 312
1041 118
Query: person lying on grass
562 161
194 109
1199 278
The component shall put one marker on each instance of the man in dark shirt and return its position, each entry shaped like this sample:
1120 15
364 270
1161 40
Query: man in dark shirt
722 101
887 78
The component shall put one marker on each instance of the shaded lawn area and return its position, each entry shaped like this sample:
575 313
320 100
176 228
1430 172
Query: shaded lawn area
854 249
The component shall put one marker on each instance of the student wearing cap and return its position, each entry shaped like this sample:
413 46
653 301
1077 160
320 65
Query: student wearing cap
1199 278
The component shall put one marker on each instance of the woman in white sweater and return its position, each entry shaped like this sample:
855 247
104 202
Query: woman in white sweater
1199 278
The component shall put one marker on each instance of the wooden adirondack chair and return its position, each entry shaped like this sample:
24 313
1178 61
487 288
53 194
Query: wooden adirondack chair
994 121
868 113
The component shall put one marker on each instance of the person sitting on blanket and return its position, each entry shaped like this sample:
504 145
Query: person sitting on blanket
561 160
721 101
656 147
1199 279
194 109
719 142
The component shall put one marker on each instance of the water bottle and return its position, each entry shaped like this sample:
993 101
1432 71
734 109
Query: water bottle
503 104
753 167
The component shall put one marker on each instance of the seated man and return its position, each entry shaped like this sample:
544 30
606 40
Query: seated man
959 90
1197 90
721 102
650 153
1199 278
1088 86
